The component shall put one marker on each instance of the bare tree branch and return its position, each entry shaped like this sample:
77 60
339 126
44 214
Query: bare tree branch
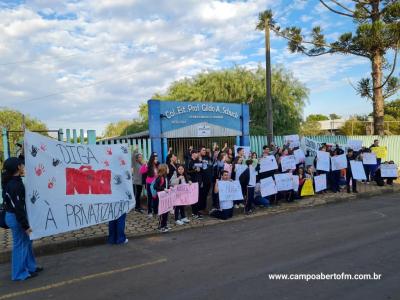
393 92
334 10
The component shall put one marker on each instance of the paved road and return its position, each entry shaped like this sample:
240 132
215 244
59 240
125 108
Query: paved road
233 260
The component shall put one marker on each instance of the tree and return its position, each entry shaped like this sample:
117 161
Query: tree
13 120
334 116
393 109
238 85
310 127
376 34
316 117
264 20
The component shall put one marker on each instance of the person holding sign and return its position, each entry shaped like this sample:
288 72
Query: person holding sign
137 178
237 161
194 172
23 264
350 156
248 186
161 184
180 178
380 175
226 207
151 175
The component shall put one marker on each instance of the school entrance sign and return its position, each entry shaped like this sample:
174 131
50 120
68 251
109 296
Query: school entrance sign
71 186
175 120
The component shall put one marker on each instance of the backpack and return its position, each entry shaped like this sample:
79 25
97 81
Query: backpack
153 190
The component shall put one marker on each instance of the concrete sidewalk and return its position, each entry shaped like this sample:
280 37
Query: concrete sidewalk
138 225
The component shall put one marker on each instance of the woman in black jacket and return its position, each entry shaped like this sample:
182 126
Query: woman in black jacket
13 192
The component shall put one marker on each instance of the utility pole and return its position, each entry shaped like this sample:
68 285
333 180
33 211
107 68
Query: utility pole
270 121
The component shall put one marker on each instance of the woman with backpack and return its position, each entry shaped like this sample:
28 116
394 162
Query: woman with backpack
13 192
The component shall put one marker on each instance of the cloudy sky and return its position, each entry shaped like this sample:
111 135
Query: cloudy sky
83 64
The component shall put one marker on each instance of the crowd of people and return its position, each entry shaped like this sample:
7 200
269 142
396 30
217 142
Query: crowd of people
204 166
207 167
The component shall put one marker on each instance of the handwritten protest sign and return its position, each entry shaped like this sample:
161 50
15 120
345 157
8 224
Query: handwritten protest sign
182 194
247 151
381 152
323 161
229 190
71 186
357 170
283 182
239 169
307 189
389 170
299 155
288 163
293 140
268 187
295 182
339 162
320 182
253 176
356 145
268 163
369 159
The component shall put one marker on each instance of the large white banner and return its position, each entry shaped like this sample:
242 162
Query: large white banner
71 186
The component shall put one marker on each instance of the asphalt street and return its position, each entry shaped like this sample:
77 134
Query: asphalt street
234 260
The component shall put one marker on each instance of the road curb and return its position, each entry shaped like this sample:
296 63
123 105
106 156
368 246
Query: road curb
69 245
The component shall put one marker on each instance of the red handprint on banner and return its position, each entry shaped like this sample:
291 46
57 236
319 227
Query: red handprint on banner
39 170
109 151
122 162
51 183
43 147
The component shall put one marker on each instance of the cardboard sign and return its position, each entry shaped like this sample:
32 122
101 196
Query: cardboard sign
283 182
357 170
247 151
299 156
320 182
381 152
288 163
229 190
356 145
323 161
182 194
268 164
339 162
72 186
369 159
239 169
389 170
295 182
308 189
268 187
293 140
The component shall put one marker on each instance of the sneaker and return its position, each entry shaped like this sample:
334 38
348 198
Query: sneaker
241 205
164 230
139 210
126 241
185 220
150 215
179 222
212 210
236 206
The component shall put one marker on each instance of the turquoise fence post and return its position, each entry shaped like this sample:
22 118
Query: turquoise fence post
82 136
6 153
68 135
75 136
91 137
60 135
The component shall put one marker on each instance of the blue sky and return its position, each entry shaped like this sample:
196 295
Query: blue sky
83 64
